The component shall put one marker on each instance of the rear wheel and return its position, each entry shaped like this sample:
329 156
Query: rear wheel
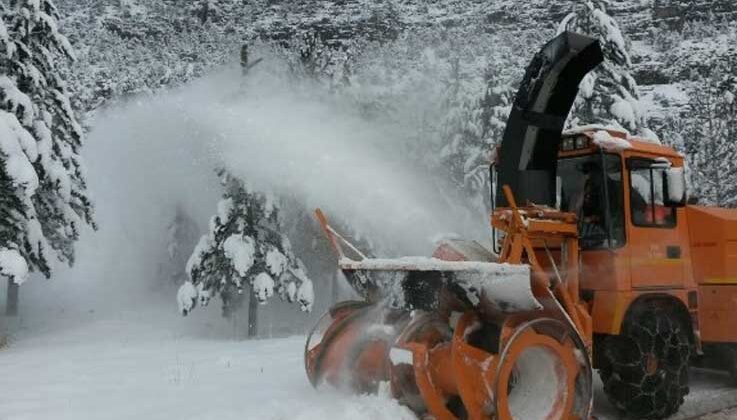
645 368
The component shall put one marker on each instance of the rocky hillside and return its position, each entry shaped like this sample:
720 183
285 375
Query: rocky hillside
671 38
449 57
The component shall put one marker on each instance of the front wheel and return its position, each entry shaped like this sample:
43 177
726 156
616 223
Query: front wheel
645 368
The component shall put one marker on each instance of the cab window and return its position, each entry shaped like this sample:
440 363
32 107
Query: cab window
588 184
646 196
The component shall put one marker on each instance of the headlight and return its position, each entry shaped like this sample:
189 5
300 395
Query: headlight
568 144
582 142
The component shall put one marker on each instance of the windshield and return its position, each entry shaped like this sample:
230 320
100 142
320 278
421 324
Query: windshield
583 192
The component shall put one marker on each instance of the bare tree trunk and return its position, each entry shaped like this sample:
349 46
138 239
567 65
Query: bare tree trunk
244 59
11 302
252 315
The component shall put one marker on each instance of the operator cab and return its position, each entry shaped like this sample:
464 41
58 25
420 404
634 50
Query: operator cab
608 178
603 172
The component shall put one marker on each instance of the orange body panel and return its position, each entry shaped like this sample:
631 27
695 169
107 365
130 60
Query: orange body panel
605 270
718 313
651 265
714 244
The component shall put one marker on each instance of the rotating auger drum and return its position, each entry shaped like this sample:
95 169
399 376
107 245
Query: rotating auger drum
477 340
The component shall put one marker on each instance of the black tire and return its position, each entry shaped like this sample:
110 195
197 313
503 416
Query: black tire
645 368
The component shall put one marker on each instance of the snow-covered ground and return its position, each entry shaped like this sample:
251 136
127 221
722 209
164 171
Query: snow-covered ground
125 368
137 366
730 414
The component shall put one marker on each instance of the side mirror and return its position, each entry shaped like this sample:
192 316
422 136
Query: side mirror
674 187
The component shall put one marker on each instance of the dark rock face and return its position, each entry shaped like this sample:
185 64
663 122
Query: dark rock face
674 13
640 20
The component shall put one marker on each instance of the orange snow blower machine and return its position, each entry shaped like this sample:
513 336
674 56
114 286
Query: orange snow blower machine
600 264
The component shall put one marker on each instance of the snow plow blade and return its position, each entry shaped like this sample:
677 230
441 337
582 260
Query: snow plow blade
418 283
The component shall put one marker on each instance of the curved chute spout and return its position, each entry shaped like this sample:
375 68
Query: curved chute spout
529 149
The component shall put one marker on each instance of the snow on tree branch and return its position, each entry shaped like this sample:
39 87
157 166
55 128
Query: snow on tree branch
13 265
41 172
244 249
609 94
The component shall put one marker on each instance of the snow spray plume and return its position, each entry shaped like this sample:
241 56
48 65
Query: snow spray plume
145 158
150 155
299 141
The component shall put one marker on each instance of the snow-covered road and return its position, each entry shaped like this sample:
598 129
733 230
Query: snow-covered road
115 370
127 369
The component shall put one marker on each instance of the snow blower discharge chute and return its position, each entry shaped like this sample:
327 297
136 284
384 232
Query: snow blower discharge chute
601 264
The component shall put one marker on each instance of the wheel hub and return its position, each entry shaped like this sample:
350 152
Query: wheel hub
651 364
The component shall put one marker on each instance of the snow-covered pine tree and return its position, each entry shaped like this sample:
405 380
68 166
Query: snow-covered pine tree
608 95
49 200
205 10
19 227
709 138
245 249
473 126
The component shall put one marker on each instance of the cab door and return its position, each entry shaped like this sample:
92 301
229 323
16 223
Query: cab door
657 259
